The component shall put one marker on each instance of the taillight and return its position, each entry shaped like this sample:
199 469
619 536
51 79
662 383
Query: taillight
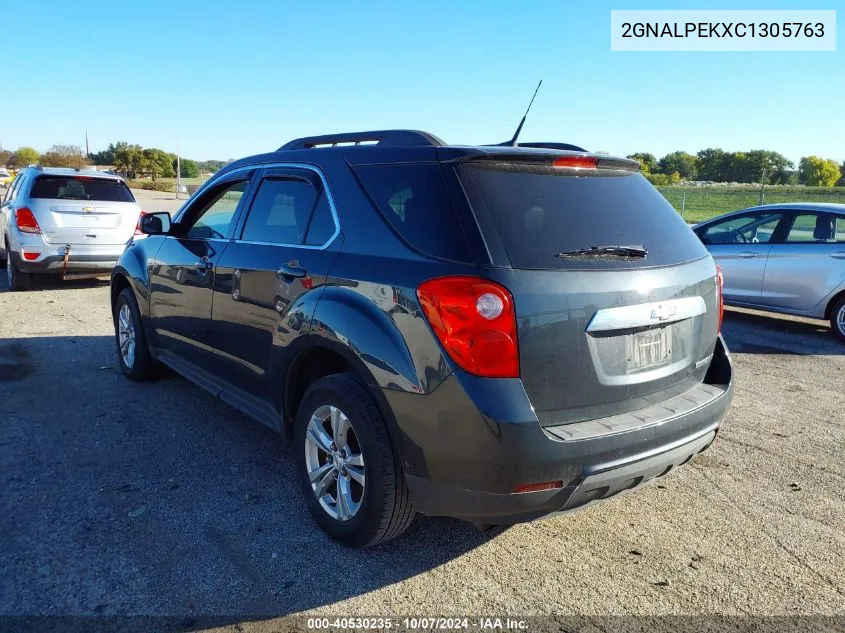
475 321
720 284
138 224
589 162
26 222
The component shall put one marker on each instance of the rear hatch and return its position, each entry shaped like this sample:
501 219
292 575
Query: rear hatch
601 332
84 210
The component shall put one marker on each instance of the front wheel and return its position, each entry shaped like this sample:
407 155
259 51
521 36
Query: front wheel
132 351
837 319
349 473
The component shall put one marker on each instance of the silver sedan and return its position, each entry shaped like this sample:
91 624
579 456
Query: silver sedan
787 258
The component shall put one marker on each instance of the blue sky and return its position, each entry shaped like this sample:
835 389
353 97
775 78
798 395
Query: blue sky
233 78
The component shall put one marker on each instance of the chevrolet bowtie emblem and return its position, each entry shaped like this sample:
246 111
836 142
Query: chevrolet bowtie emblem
88 209
662 312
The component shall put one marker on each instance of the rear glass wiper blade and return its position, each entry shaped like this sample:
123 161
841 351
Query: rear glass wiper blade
607 251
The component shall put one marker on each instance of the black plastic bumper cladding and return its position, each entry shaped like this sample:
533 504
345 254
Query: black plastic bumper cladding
468 445
595 485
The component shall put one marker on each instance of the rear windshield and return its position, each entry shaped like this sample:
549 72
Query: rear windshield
415 201
540 212
81 188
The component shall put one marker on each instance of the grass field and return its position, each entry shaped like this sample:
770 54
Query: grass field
701 203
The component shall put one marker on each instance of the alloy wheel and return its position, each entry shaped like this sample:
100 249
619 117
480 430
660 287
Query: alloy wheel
334 462
126 336
840 319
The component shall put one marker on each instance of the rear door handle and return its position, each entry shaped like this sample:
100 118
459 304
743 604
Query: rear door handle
290 271
747 254
838 255
204 265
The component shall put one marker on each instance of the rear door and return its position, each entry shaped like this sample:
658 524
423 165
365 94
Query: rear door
282 254
807 263
740 244
182 277
83 209
598 335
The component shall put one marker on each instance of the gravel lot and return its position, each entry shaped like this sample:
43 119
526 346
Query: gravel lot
158 499
158 200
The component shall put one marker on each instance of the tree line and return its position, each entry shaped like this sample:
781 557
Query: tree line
755 166
711 164
131 160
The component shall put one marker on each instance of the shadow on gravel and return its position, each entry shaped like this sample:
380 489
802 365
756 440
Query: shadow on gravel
768 333
157 499
54 282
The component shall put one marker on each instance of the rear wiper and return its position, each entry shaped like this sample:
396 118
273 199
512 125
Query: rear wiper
607 251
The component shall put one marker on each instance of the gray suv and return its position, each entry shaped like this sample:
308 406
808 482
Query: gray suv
489 333
66 222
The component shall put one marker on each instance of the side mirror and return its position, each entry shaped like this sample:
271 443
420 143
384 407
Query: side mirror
155 223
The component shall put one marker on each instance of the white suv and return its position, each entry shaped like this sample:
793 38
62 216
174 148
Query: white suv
64 221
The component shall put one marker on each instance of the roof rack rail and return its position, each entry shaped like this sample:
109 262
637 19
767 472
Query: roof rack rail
551 145
384 138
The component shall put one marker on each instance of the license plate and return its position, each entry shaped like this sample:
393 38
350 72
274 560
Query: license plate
648 349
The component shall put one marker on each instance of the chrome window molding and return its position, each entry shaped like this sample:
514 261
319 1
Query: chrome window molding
215 180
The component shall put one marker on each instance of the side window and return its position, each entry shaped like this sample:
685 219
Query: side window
280 211
216 215
745 229
840 230
811 228
414 199
322 225
13 189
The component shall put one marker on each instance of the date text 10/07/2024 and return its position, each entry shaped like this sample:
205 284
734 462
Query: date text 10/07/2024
416 624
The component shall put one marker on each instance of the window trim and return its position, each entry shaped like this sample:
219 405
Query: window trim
262 169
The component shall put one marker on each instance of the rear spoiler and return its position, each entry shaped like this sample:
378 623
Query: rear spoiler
569 160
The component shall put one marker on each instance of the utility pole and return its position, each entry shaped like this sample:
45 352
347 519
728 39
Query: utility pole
87 153
762 185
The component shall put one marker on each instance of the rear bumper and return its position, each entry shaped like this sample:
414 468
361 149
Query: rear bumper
95 263
464 462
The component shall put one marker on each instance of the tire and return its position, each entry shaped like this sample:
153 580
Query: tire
18 280
384 509
837 319
138 365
